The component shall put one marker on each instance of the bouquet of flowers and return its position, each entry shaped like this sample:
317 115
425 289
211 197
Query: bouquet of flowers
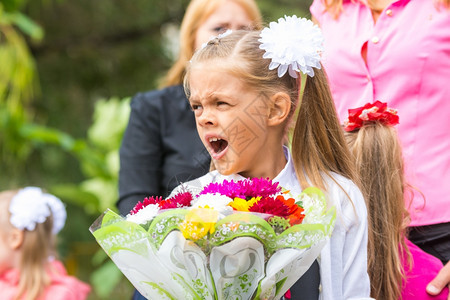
247 239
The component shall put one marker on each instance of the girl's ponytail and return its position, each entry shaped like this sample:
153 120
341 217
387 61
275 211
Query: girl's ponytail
38 246
318 144
378 156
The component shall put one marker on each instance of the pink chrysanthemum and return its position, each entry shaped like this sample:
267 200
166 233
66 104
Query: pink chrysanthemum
245 189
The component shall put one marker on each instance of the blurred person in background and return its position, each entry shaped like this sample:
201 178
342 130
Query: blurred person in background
398 269
400 50
29 270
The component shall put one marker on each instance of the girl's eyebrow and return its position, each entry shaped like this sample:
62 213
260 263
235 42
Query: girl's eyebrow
218 95
208 98
221 23
192 99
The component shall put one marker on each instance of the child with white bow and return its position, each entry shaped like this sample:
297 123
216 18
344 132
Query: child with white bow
29 222
244 89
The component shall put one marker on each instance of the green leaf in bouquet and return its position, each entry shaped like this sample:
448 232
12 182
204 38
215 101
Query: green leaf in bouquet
113 233
243 224
279 285
165 223
279 223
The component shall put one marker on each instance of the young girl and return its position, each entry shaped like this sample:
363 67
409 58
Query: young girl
392 258
29 221
244 88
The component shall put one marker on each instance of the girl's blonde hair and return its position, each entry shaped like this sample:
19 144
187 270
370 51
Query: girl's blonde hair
36 248
335 7
378 156
196 14
318 145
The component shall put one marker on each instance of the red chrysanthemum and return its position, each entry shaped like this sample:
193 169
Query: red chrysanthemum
269 205
371 112
177 201
147 201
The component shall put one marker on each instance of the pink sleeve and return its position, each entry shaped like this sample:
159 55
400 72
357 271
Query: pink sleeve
63 286
317 9
424 268
69 289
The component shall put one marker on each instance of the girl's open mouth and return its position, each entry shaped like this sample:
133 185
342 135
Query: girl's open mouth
218 147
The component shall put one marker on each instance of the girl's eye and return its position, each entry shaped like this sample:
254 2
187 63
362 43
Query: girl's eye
222 104
195 107
220 29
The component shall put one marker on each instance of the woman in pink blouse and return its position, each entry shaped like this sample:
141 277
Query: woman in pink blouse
399 51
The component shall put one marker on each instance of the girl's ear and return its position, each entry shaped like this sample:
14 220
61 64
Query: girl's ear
16 238
280 108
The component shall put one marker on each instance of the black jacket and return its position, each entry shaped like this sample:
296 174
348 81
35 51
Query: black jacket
160 148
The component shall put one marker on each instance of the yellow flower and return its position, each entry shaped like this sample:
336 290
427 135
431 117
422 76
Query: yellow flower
198 223
242 204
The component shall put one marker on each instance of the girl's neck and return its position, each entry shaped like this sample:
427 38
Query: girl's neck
273 165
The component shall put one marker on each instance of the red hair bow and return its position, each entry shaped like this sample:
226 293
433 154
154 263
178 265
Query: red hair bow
371 112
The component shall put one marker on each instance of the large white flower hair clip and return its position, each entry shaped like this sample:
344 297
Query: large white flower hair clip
31 206
294 44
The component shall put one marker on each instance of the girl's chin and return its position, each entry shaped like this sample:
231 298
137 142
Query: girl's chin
223 169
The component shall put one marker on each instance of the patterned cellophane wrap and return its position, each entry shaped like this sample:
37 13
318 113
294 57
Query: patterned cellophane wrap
241 257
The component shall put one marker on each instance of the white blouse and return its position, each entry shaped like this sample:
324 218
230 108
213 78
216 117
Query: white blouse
343 260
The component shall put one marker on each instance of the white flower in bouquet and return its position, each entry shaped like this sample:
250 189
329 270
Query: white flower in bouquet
214 201
144 215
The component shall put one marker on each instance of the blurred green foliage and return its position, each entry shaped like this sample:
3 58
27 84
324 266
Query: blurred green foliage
67 70
17 83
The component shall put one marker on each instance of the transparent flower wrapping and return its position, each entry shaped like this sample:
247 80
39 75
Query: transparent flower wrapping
238 255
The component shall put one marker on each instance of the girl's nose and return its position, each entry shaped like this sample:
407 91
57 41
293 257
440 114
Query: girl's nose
207 118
